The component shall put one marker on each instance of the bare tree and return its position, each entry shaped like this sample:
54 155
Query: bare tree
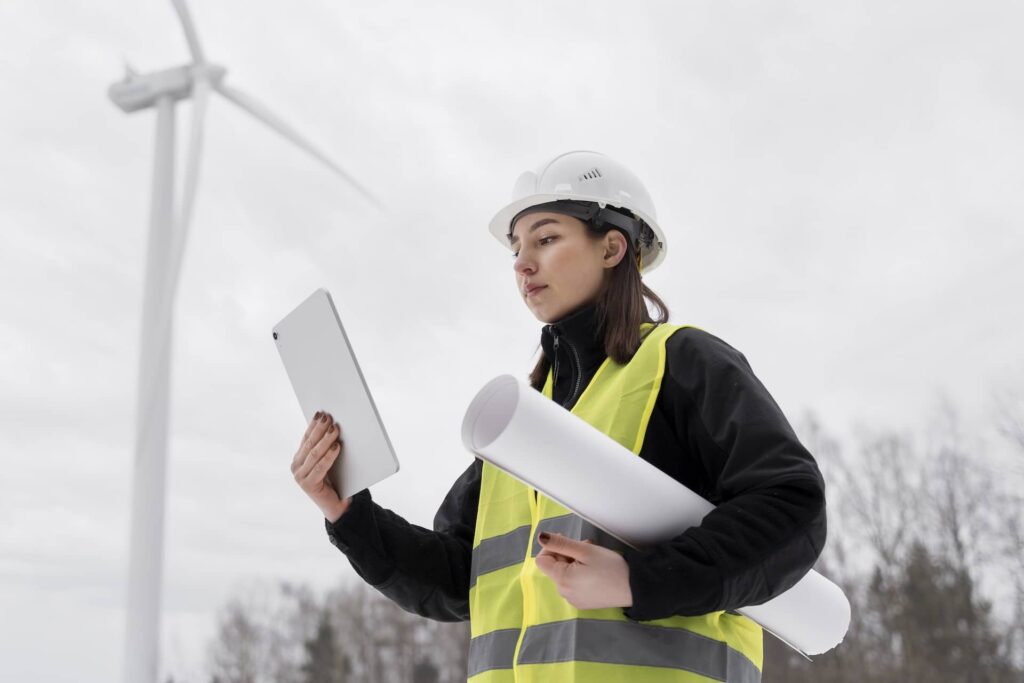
296 621
1009 412
1009 421
845 663
1014 554
881 495
451 641
356 627
261 634
964 497
925 526
237 654
388 643
828 453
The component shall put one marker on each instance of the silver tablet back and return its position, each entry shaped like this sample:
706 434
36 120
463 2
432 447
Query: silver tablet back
325 375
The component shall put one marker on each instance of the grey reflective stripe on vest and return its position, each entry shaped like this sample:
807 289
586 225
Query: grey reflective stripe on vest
631 643
577 528
508 549
493 650
499 552
567 525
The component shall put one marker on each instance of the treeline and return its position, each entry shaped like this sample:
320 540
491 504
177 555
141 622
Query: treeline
926 537
353 635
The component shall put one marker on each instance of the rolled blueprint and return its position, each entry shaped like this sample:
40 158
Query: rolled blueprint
543 445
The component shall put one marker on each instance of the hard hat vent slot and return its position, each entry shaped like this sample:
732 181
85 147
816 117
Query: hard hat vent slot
592 174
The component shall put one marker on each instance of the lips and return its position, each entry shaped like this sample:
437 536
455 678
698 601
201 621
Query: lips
533 288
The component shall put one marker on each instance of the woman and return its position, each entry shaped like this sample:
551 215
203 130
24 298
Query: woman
549 597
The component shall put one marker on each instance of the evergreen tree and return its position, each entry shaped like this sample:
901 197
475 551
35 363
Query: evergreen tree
325 662
425 672
943 632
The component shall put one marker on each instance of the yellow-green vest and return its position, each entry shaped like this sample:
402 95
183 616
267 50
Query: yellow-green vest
523 631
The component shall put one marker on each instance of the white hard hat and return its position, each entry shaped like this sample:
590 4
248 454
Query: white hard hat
588 177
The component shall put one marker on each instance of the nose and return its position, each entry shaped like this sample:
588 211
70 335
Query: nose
523 264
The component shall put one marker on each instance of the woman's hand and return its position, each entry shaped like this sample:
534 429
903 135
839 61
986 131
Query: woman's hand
320 447
586 575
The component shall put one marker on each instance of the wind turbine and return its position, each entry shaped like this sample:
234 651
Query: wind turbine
168 231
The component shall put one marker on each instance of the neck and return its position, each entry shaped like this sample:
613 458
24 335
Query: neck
578 329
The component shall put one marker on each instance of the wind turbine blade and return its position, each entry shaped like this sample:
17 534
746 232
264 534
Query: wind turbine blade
200 97
259 111
190 31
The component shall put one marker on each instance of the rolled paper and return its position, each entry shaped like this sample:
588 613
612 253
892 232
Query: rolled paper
543 445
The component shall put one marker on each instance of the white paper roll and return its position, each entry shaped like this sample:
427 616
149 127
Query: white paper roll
543 445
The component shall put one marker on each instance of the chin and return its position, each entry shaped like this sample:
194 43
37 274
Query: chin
542 317
547 315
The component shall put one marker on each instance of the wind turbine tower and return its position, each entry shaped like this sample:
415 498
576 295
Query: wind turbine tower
168 230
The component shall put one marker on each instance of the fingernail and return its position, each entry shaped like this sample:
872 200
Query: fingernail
544 537
318 414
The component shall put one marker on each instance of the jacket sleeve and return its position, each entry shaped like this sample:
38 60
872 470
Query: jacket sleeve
769 524
425 572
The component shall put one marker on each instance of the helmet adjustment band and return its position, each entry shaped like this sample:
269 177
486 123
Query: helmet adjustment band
591 212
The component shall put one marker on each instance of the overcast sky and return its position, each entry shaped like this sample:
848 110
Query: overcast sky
840 187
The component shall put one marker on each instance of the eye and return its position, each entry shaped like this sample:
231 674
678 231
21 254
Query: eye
543 240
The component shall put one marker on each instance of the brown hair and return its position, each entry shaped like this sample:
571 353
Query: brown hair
621 308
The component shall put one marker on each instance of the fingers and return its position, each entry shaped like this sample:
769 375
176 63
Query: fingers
313 432
563 545
330 435
315 469
323 466
328 444
312 424
316 426
557 553
553 566
557 556
319 436
316 430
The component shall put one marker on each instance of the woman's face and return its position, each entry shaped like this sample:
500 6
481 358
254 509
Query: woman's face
556 252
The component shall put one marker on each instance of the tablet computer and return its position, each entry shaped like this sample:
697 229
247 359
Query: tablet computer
322 368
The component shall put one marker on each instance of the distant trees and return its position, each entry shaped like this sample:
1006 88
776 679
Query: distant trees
923 539
325 662
239 657
282 634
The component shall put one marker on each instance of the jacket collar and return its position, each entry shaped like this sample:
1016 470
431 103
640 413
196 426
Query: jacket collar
579 329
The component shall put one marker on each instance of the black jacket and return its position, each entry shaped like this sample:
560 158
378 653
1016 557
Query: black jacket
715 428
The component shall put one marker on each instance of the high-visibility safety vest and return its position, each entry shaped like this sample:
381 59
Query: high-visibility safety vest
524 631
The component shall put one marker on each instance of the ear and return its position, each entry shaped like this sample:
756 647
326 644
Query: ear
614 248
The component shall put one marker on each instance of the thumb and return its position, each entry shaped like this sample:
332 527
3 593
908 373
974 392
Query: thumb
563 545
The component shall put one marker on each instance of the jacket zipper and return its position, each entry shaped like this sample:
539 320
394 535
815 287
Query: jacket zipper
554 375
578 367
579 374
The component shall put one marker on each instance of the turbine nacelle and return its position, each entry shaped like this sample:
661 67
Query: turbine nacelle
140 91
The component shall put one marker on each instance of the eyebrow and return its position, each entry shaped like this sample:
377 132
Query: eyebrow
542 221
